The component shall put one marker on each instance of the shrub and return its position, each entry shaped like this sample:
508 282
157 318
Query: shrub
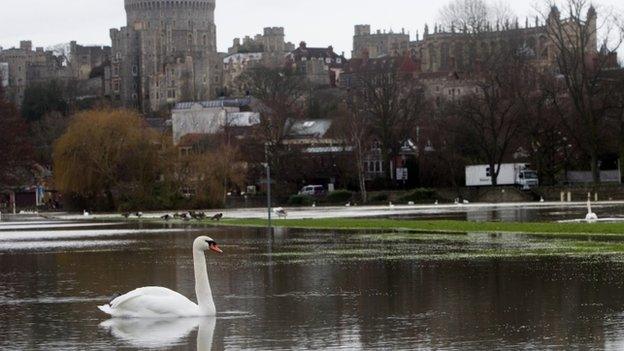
300 200
419 195
382 197
339 197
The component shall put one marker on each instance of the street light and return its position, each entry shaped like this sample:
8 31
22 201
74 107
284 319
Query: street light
268 174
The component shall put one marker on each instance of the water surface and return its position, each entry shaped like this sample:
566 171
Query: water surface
308 290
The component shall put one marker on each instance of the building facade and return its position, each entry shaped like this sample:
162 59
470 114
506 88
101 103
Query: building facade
167 53
320 66
83 59
378 44
272 40
266 50
27 66
453 49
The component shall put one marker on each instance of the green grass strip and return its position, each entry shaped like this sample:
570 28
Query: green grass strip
438 226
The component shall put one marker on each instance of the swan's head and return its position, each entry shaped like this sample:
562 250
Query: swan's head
204 243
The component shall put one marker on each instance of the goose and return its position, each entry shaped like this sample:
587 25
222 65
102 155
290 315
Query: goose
167 217
158 302
217 217
138 214
591 216
125 215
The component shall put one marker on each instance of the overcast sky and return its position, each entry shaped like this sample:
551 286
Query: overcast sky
318 22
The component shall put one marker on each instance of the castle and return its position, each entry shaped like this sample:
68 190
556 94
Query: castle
167 53
454 49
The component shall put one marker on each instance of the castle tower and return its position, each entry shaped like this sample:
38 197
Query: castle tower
167 53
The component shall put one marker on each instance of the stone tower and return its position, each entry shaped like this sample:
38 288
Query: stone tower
167 53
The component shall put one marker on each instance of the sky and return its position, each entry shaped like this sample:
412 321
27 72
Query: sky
319 22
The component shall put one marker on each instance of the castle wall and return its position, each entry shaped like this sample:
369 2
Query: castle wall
167 53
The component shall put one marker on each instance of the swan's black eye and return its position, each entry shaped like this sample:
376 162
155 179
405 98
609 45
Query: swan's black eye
211 243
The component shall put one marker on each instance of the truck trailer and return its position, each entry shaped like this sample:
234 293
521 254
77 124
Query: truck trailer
511 174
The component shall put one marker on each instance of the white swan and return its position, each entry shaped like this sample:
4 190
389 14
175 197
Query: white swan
591 216
157 302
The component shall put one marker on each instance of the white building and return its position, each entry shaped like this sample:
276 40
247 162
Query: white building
211 117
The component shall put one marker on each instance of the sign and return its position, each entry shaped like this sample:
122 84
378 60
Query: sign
402 174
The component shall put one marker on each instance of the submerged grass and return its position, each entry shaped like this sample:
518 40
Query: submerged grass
439 226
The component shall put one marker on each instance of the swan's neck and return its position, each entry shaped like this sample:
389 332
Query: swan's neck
202 285
589 209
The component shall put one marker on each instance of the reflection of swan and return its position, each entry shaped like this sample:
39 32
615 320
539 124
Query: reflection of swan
162 333
591 216
156 302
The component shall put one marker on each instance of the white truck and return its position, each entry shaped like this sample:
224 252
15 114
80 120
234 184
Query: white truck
517 174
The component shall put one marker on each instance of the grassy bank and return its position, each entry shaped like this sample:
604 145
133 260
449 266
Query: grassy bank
443 226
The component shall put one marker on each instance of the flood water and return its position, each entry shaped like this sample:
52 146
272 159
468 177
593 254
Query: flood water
305 290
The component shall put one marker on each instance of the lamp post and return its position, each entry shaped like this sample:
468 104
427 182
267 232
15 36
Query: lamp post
268 175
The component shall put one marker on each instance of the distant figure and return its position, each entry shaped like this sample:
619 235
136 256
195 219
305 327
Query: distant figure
457 201
591 216
167 217
138 214
218 217
466 202
411 203
391 205
186 216
436 203
542 199
86 213
348 204
125 215
314 205
280 212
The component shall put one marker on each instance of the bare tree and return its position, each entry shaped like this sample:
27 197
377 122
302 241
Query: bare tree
391 101
491 114
279 98
356 133
582 71
474 16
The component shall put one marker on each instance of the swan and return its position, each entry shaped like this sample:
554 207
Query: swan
591 216
157 302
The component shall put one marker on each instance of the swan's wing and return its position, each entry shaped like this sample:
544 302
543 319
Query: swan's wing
153 302
141 292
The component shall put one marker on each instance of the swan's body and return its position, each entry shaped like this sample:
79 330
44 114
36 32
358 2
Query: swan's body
158 302
591 216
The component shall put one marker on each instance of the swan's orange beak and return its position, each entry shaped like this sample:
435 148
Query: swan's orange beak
216 248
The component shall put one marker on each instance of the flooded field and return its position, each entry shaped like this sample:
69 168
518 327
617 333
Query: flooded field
311 290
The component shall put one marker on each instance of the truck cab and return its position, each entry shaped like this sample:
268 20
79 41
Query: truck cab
527 179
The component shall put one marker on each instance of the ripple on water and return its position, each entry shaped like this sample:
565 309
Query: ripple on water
60 244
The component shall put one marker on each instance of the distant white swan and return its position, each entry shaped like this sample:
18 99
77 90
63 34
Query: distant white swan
157 302
591 216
